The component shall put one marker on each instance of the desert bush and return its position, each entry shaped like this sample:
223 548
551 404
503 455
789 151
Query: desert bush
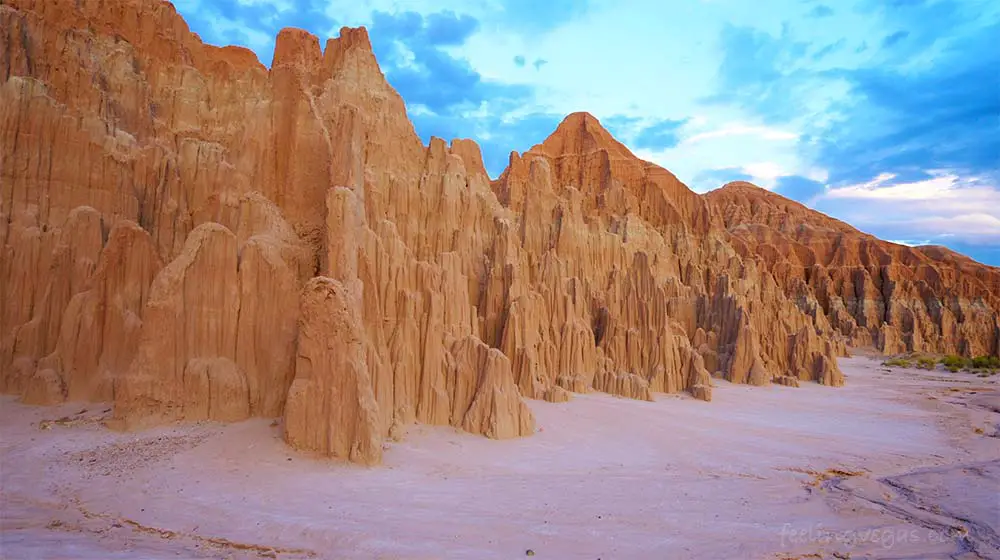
926 363
897 362
985 362
953 362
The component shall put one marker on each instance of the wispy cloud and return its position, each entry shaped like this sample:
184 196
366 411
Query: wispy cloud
943 208
761 132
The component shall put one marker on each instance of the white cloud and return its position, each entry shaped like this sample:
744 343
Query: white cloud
228 31
405 57
634 74
764 161
762 132
971 225
359 12
280 6
765 173
817 174
943 207
942 185
416 109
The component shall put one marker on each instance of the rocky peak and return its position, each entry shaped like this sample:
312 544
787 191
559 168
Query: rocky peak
742 202
580 134
612 181
744 186
348 58
354 37
296 47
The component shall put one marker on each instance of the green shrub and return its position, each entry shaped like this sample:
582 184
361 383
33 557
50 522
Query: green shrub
897 362
985 362
954 369
926 363
954 361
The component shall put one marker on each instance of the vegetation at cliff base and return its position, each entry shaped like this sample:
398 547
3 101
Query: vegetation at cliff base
982 365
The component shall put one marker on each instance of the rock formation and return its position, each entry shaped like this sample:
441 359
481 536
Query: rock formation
331 405
194 236
872 292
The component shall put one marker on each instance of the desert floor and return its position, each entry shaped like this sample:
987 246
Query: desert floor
897 464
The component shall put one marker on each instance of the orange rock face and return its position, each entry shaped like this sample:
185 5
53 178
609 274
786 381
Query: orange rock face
194 236
872 292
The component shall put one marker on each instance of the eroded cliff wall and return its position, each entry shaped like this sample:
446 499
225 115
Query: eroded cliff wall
194 236
873 292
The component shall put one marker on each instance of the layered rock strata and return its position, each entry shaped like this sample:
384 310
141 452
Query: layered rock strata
872 292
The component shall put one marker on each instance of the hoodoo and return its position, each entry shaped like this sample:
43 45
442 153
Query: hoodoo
193 236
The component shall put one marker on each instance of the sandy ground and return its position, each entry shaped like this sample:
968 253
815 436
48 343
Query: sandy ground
900 464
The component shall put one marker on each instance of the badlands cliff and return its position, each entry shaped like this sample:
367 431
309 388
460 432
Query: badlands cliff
194 236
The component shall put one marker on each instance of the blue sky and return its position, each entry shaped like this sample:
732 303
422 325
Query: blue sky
883 113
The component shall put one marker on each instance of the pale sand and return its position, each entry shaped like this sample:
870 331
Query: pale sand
745 476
